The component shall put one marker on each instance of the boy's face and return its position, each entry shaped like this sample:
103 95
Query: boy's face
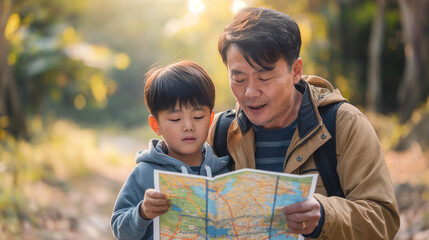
184 131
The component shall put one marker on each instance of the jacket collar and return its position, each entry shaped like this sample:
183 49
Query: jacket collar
307 118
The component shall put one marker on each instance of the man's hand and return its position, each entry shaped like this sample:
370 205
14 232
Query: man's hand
154 204
303 217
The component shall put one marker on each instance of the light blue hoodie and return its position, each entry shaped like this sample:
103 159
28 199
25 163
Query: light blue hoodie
126 221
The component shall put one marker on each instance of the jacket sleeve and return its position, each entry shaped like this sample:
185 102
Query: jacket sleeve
126 221
369 210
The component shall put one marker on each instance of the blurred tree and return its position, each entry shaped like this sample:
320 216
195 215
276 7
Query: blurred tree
12 118
375 47
414 85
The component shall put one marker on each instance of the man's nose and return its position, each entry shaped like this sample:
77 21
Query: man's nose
252 88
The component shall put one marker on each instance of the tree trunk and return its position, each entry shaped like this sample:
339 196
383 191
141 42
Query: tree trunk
10 106
414 22
373 90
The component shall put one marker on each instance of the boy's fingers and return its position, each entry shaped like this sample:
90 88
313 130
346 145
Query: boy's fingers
157 202
155 194
157 209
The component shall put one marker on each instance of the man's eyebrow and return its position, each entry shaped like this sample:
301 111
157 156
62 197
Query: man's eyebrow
262 70
236 72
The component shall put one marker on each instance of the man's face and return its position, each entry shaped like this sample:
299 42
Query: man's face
268 98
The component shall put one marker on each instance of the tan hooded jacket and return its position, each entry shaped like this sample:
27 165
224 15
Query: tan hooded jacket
369 210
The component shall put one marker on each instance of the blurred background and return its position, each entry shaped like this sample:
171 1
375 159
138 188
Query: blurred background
72 111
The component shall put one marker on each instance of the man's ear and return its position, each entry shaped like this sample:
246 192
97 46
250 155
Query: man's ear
297 70
154 125
211 118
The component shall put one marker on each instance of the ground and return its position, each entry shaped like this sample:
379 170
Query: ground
81 209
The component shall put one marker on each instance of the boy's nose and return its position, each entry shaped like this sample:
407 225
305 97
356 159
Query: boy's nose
188 126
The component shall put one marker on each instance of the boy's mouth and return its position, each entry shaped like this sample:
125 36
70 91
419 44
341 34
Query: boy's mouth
189 139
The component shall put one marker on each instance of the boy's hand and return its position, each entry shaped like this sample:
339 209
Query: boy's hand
154 204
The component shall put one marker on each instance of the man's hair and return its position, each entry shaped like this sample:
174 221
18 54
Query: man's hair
184 81
262 35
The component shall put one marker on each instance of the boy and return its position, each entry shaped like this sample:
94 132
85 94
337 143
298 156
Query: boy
180 98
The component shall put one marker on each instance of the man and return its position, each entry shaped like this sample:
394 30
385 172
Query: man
278 127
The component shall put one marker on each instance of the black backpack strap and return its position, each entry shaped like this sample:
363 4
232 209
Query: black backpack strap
220 135
326 157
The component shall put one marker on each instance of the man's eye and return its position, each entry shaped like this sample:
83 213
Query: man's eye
238 80
265 79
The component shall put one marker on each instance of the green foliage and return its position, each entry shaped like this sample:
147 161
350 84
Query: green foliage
60 48
53 159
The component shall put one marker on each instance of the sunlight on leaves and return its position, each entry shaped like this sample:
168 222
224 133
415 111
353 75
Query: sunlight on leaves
11 59
91 55
122 61
70 36
306 31
237 6
98 88
79 102
196 6
12 25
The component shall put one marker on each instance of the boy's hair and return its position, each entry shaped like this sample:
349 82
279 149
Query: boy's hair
184 81
262 35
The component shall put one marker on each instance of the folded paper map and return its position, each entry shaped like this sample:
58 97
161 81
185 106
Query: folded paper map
243 204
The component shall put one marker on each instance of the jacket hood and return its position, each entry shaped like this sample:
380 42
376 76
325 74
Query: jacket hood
156 156
322 91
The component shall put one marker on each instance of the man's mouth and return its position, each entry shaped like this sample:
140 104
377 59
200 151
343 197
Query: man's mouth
256 107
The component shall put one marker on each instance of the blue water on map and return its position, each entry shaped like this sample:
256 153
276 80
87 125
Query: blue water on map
228 187
175 208
286 199
199 191
212 231
212 204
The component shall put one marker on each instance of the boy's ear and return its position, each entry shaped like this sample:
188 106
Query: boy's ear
211 118
154 125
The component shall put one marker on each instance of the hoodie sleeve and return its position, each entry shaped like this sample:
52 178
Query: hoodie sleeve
126 221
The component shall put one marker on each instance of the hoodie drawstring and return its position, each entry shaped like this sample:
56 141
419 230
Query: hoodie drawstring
208 171
184 170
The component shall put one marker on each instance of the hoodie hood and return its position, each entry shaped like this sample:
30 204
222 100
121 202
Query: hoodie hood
322 91
157 157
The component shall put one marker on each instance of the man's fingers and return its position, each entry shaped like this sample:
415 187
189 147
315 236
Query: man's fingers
304 206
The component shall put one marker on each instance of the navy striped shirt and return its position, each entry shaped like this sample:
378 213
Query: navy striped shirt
271 146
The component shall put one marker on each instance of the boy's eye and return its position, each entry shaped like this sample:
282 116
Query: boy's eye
175 119
199 117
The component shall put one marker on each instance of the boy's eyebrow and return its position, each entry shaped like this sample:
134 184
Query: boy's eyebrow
198 109
174 110
180 110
